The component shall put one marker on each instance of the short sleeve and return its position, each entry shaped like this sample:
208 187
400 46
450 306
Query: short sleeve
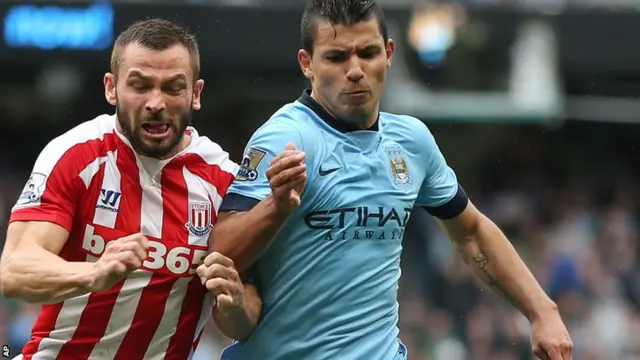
251 185
440 193
52 190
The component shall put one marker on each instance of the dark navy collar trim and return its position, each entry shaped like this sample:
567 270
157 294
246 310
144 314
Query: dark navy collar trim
339 125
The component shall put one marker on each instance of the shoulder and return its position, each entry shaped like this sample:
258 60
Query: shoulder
404 124
79 145
65 167
212 154
290 123
210 163
412 132
96 129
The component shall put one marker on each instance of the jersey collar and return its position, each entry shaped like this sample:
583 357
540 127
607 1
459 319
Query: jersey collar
339 125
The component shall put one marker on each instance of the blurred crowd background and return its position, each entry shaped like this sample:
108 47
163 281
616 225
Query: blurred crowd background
533 102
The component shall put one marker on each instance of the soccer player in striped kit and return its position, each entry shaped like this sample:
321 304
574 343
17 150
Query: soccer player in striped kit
117 214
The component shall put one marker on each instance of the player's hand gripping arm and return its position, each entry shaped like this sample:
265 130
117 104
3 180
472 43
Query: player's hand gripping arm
237 307
31 270
243 236
494 260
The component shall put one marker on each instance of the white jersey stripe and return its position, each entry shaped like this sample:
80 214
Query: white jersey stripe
169 323
122 315
108 202
152 209
66 325
91 170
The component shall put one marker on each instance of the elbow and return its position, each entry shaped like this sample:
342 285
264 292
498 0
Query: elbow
244 333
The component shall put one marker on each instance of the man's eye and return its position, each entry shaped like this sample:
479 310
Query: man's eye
368 54
174 89
138 86
336 58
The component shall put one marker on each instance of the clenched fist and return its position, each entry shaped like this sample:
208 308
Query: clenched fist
219 276
120 258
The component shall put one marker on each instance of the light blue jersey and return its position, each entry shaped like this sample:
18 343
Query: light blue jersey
329 280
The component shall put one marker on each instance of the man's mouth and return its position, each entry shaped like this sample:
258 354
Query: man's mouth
156 130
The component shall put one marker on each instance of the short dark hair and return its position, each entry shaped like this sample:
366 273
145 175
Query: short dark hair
338 12
156 34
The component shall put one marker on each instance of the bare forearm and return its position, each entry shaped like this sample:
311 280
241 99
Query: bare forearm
496 262
244 236
240 323
38 276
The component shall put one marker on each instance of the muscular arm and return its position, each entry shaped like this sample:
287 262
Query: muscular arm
494 260
31 270
243 236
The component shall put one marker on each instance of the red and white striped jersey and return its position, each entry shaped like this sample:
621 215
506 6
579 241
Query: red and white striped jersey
90 181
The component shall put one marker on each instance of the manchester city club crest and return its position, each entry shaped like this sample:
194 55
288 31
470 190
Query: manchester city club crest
399 168
199 223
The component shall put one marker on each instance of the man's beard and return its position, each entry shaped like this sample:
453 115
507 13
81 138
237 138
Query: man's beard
132 131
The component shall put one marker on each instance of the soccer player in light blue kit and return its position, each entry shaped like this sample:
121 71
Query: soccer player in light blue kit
327 250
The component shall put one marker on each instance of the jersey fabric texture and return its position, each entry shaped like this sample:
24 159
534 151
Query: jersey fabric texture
329 279
91 182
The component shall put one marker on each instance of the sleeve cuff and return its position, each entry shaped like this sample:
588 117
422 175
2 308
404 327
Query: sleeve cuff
237 202
26 215
452 208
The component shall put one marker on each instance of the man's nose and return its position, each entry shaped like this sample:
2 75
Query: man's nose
355 73
155 102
